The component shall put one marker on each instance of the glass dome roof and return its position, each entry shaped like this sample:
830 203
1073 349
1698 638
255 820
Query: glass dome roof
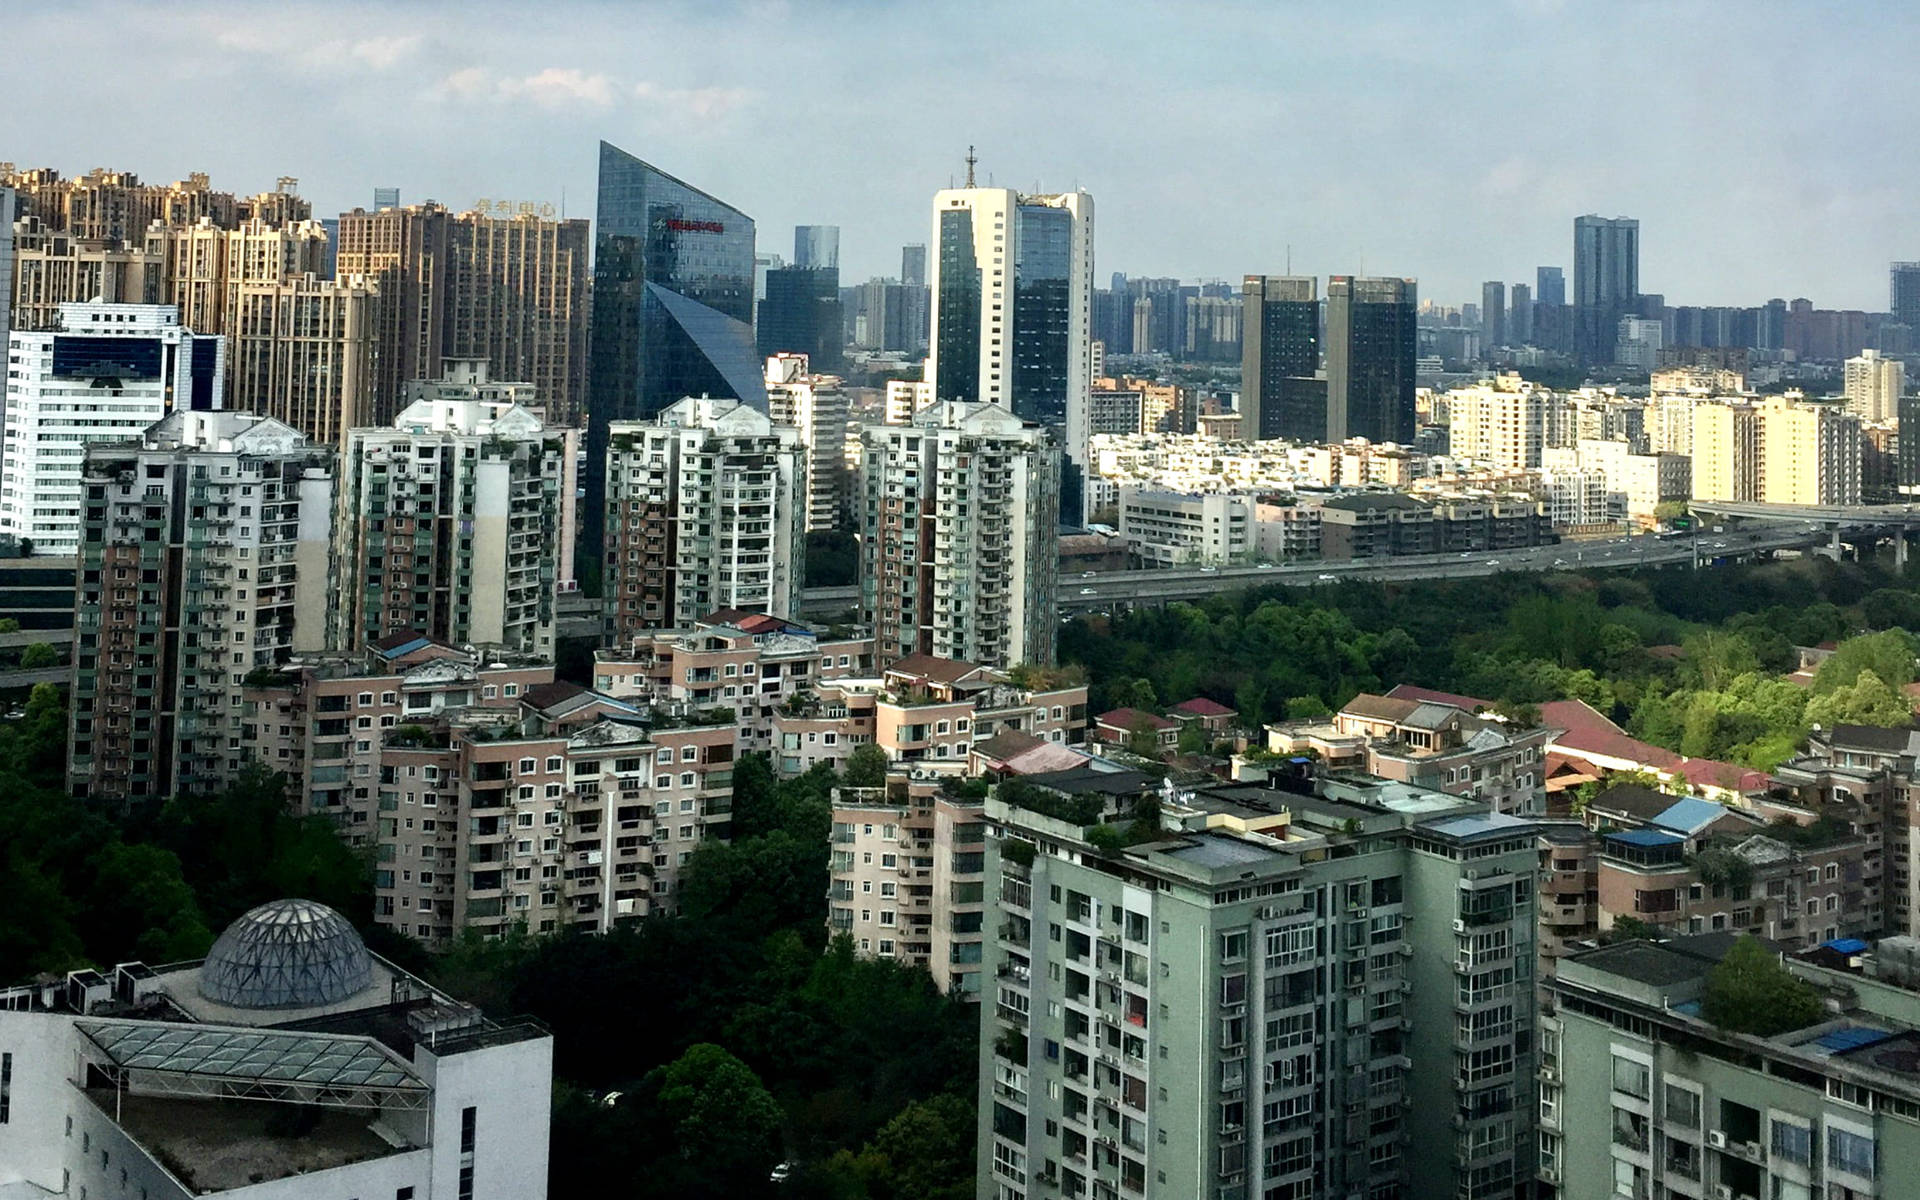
286 954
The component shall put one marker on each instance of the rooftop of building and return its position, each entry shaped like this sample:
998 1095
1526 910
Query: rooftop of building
1134 718
1200 706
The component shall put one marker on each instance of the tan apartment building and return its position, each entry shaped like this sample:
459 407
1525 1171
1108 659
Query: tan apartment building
751 663
706 509
52 267
302 349
1776 451
960 513
321 719
491 796
508 289
907 877
203 558
926 714
456 521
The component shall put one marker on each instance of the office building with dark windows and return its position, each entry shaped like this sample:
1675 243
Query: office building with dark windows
1012 306
1280 357
672 305
800 314
1606 281
1371 344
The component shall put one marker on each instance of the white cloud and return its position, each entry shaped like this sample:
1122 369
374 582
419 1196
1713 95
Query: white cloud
554 87
385 53
698 102
294 45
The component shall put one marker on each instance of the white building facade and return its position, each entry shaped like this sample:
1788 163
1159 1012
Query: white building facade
109 372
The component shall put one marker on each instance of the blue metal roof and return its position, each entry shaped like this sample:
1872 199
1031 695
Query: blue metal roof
404 648
1689 815
1645 837
1846 946
1842 1040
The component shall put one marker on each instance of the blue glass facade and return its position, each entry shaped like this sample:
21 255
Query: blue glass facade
1042 345
672 305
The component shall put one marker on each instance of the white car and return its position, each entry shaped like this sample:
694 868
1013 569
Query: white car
1329 578
781 1173
1088 592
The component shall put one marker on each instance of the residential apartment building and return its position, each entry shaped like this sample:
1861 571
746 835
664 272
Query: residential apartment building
907 878
1637 483
490 795
301 350
751 663
203 558
959 514
204 265
1642 1095
1383 524
1873 386
517 297
1776 451
706 509
107 373
926 714
405 253
1288 994
1503 423
322 719
1283 532
52 267
457 522
1444 748
815 405
1165 529
174 1080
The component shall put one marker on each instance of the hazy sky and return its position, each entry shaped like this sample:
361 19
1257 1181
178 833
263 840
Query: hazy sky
1767 148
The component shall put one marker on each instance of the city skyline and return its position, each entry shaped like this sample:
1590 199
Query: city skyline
513 111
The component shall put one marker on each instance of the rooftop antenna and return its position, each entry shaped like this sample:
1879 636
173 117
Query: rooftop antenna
970 161
1289 258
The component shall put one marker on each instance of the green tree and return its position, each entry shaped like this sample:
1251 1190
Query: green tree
754 796
866 766
1143 738
722 1118
1867 700
9 625
927 1149
1888 655
1307 708
39 657
1749 991
1193 738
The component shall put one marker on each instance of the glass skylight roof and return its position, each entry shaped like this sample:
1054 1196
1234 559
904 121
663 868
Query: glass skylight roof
315 1060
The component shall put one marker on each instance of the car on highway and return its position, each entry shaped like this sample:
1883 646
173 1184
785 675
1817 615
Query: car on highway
1329 578
1209 569
1493 562
1088 592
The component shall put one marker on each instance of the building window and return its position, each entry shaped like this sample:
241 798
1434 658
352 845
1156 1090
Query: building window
1792 1142
6 1086
1683 1106
1850 1152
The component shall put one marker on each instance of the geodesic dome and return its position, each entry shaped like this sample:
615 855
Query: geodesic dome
286 954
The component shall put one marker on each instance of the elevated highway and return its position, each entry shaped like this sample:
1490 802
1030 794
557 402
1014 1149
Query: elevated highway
1099 591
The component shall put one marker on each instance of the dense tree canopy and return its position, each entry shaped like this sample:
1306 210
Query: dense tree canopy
1695 661
1749 991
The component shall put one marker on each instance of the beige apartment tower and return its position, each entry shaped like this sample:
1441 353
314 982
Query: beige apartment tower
302 349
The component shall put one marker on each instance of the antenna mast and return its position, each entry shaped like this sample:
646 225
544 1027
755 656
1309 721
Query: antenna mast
970 161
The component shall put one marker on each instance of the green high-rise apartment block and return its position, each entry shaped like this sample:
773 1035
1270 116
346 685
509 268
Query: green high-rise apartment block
1320 992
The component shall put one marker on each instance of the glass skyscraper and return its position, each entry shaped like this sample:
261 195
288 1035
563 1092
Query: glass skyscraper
1279 356
1371 339
672 306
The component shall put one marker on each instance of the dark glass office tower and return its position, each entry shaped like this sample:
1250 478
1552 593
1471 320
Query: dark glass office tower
672 306
1371 341
800 314
1550 286
957 340
1903 294
1606 281
1279 355
1042 295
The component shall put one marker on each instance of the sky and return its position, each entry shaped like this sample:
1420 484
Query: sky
1765 147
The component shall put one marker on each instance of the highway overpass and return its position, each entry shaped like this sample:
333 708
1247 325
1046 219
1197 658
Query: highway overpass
1869 523
1098 591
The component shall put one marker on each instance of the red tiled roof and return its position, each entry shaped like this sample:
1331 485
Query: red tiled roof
1129 718
1200 706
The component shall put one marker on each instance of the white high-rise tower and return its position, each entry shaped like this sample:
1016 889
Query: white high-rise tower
1012 298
